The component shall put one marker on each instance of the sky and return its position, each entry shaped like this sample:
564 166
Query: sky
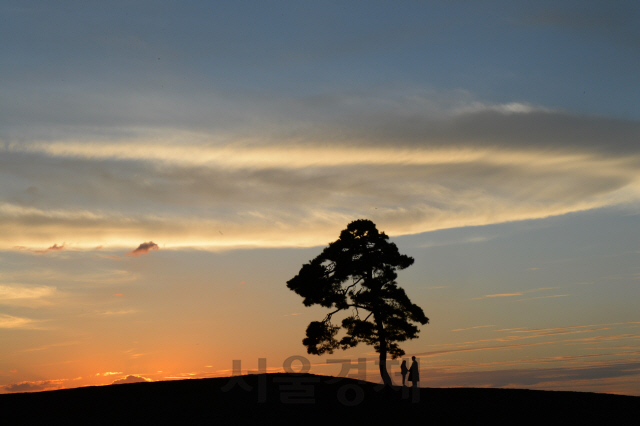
166 167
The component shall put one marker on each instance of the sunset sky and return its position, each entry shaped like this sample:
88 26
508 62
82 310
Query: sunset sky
166 167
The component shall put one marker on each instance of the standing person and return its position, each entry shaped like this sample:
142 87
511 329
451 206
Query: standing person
414 373
404 370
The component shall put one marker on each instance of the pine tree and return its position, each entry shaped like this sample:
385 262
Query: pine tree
357 274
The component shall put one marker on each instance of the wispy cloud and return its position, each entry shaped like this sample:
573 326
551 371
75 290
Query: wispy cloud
479 348
9 321
50 346
543 297
452 167
489 296
568 330
121 312
472 328
567 378
25 295
561 329
549 336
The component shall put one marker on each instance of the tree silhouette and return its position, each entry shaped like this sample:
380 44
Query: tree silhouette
357 272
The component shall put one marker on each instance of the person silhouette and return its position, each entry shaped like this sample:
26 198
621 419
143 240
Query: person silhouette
404 370
414 373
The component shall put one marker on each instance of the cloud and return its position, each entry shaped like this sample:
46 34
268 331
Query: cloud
122 312
31 386
489 296
131 379
411 164
544 297
25 295
9 321
472 328
562 329
54 247
578 368
480 348
545 336
563 377
144 249
23 387
53 345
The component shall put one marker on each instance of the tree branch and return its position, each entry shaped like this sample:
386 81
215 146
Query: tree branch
328 317
355 282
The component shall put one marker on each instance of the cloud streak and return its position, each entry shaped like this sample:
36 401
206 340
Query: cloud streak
21 294
533 378
10 321
500 295
180 155
473 328
255 198
490 296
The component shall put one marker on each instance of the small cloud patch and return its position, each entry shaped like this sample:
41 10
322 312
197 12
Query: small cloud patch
32 386
54 247
18 292
143 249
23 387
131 379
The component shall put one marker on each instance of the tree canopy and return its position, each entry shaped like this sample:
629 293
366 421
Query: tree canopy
357 274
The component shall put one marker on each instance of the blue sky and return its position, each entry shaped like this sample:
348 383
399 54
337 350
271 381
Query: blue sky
496 142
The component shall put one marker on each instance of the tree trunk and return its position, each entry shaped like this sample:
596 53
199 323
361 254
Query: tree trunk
386 379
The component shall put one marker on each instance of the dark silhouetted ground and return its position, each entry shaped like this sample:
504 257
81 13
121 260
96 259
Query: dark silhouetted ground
308 399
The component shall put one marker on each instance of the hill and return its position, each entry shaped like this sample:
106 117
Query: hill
309 399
